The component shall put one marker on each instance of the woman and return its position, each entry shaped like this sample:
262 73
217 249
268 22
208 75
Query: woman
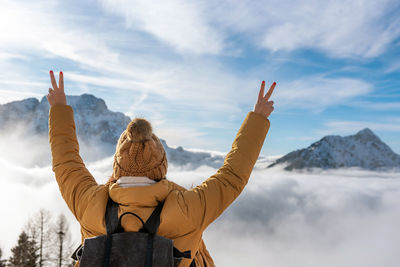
138 182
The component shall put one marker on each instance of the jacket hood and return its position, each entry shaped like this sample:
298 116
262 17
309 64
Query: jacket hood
132 181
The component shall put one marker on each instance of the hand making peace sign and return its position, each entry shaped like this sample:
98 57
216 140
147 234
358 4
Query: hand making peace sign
263 106
56 95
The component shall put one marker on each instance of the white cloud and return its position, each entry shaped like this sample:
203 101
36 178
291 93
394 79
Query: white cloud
394 67
111 82
192 137
13 95
348 126
339 28
6 56
199 87
331 218
318 92
179 23
324 218
344 217
48 37
376 105
30 29
199 84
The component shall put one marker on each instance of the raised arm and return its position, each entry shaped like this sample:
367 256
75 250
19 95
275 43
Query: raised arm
76 183
204 203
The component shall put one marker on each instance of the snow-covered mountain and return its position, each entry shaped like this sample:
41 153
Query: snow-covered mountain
92 117
364 150
95 124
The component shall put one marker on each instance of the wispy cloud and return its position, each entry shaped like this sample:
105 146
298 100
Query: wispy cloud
338 28
200 85
43 35
181 24
7 56
142 60
11 95
30 29
348 126
394 67
376 105
317 93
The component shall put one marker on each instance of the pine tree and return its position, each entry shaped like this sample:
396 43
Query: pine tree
24 253
2 262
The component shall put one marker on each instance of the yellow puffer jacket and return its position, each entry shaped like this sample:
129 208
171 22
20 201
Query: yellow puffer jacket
186 213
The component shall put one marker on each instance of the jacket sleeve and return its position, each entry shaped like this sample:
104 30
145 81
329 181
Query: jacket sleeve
74 180
204 203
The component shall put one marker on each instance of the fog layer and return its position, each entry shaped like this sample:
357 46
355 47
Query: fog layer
320 218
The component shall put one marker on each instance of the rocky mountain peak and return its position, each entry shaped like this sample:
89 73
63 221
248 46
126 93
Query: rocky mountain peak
364 150
95 123
366 135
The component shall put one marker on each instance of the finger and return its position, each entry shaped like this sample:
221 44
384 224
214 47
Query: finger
50 90
61 81
53 80
269 93
261 93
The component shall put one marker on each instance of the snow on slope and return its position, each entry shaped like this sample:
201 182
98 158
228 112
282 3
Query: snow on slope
99 129
364 150
95 125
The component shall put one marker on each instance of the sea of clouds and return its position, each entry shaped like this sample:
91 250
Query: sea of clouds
318 218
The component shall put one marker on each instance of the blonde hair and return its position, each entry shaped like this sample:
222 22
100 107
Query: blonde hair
112 179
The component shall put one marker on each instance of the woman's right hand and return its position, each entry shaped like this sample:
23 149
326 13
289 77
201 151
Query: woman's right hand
263 106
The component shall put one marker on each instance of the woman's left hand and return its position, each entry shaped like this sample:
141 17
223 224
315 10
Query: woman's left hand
56 94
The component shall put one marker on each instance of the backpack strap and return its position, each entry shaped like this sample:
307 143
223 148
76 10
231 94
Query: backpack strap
179 254
111 227
151 227
153 222
77 253
120 229
113 223
111 216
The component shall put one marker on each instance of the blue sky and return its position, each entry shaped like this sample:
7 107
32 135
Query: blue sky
194 67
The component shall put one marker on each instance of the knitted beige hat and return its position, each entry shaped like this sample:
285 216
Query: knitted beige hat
139 152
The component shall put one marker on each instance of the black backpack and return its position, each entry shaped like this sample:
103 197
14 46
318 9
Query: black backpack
123 249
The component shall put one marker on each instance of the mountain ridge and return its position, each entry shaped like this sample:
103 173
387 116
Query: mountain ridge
363 149
95 124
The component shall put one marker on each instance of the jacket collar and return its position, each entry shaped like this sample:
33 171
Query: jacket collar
144 195
132 181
